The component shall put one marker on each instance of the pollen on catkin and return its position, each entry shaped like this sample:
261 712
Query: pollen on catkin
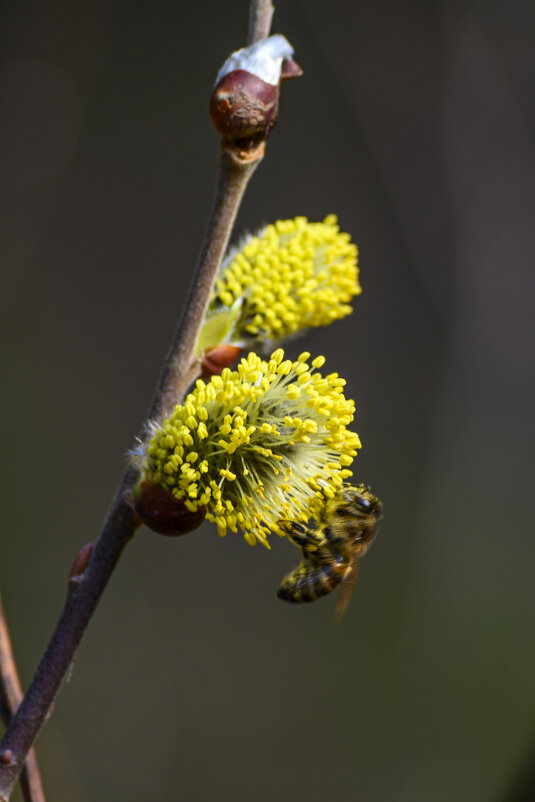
291 276
266 442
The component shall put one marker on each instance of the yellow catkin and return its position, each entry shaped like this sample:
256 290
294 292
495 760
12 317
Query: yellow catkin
291 276
267 441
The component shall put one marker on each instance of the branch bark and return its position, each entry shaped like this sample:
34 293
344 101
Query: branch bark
10 697
232 180
260 16
180 368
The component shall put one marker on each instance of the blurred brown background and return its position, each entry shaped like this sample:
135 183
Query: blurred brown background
414 122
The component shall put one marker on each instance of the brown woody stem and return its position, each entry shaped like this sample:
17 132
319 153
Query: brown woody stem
10 697
260 16
181 366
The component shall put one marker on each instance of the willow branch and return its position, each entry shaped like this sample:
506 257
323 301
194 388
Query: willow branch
10 697
180 367
260 16
233 176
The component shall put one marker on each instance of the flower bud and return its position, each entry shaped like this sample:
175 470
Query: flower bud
245 102
163 513
80 562
243 108
219 357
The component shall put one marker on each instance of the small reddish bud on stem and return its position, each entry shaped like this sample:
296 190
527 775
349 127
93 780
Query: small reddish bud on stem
79 564
163 513
244 109
219 357
245 102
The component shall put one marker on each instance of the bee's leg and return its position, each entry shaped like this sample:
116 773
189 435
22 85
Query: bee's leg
301 536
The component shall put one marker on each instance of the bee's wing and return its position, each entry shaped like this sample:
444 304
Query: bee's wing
346 589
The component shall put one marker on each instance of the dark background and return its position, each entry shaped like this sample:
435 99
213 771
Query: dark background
414 122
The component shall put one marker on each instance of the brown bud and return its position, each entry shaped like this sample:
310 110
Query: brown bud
6 757
79 564
163 513
219 357
244 108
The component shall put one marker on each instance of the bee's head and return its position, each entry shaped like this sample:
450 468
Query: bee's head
363 501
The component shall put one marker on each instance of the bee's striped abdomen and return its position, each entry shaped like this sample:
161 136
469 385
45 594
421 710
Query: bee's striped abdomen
307 583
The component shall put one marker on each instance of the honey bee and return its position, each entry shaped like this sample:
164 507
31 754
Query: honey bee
332 547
